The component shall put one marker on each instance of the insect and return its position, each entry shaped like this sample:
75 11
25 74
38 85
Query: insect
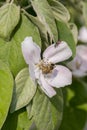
46 67
57 43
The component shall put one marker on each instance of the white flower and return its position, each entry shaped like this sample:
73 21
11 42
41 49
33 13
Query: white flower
79 64
83 34
45 72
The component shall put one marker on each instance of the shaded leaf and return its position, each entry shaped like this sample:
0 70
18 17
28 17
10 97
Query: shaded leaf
73 119
29 110
17 121
79 87
65 34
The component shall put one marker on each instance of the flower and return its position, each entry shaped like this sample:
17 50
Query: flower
83 34
79 64
44 71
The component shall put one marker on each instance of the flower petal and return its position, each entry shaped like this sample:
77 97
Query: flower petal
48 90
57 53
75 63
60 77
81 51
31 51
79 73
79 63
31 71
83 34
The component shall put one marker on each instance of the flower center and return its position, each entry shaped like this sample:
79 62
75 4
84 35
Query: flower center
45 67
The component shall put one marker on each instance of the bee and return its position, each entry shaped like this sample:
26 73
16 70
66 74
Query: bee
46 67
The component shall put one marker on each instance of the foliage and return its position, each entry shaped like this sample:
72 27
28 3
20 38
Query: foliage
23 106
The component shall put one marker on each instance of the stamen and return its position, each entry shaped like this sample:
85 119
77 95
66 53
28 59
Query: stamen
45 67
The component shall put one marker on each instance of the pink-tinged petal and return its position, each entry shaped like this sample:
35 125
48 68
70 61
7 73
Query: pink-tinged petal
57 53
79 73
79 64
60 77
75 63
31 51
81 51
48 90
83 35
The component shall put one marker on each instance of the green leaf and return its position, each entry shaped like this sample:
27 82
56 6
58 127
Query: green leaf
59 11
6 89
65 34
47 113
9 18
10 52
74 31
24 90
23 122
84 11
17 121
46 17
29 110
82 107
79 87
73 119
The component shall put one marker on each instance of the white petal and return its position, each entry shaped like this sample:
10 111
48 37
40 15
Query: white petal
83 34
60 77
48 90
57 53
31 51
31 71
37 72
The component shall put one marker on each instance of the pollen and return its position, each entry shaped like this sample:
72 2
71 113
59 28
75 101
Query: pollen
45 67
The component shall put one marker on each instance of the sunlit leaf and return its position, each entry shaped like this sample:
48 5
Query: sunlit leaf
84 11
45 16
74 31
24 90
10 52
6 89
47 113
9 18
59 11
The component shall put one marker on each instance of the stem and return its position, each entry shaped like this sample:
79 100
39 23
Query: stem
12 1
26 7
25 12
